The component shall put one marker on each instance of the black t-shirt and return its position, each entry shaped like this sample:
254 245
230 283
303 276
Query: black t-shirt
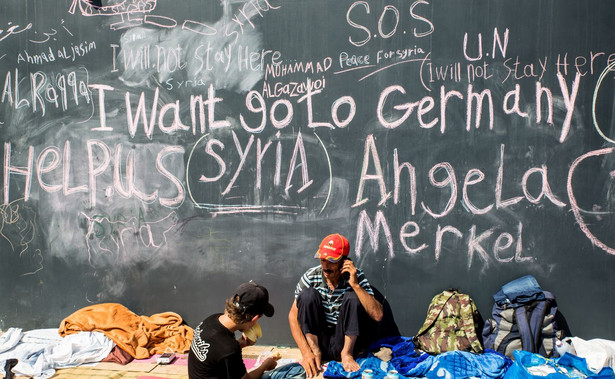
214 353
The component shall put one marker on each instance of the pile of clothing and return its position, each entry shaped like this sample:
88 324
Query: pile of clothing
596 359
399 354
99 333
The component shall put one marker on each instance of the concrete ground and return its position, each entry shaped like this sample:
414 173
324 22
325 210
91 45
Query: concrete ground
149 369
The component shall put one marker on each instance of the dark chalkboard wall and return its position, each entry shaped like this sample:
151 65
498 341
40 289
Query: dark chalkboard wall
158 153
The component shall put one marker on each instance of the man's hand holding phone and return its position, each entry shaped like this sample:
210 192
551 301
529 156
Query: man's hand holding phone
349 272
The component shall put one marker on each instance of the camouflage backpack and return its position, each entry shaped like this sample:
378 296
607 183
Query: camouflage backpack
453 323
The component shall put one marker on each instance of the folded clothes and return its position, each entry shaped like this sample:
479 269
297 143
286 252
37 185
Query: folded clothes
519 291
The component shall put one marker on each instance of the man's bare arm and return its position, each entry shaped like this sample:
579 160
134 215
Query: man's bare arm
372 306
369 302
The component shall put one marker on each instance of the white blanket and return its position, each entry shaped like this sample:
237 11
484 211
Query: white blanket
39 352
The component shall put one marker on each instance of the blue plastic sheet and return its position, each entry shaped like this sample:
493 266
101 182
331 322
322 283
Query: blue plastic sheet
535 366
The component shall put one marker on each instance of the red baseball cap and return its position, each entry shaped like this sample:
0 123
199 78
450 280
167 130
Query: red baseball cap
333 248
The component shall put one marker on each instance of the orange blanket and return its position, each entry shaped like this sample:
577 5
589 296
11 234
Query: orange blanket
139 336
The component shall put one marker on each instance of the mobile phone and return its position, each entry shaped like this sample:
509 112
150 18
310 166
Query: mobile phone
346 275
165 358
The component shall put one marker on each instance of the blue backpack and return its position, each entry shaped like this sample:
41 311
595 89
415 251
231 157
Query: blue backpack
524 317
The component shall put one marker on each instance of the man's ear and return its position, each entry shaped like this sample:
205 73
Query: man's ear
255 318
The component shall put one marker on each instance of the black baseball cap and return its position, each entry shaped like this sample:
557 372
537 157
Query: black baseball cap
252 298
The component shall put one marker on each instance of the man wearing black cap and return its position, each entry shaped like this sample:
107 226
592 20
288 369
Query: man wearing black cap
215 353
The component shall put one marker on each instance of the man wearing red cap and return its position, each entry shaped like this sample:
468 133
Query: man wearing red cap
334 305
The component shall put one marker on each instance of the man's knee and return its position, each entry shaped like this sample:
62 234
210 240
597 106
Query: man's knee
310 312
308 296
351 300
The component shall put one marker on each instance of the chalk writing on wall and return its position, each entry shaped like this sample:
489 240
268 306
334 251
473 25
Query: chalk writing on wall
135 131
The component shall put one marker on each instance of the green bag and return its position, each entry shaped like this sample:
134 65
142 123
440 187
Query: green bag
453 323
